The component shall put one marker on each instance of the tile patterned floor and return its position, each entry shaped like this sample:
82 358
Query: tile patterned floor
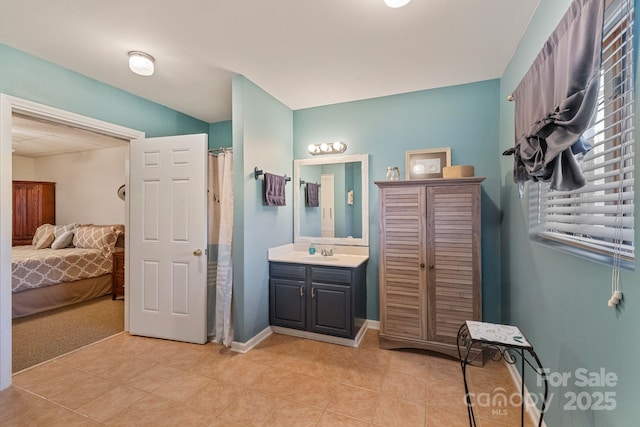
285 381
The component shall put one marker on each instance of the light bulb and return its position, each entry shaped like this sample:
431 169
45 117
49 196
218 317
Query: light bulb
141 63
396 3
327 148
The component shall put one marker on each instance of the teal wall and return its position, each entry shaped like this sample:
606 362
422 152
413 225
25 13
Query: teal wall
463 117
263 138
221 134
34 79
560 301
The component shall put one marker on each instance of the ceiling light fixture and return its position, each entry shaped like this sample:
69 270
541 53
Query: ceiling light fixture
324 148
396 3
141 63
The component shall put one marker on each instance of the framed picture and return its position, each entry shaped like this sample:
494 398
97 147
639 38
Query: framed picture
423 164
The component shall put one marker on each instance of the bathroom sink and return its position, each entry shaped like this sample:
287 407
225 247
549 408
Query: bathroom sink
350 260
321 258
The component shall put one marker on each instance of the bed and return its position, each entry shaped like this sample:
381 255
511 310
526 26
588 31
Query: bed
56 271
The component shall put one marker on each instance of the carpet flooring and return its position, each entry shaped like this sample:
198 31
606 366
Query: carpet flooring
44 336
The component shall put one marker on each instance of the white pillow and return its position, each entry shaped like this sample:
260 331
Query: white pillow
59 230
63 240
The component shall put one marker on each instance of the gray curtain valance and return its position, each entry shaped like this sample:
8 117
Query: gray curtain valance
557 98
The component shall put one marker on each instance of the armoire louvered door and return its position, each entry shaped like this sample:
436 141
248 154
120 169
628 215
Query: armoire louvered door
430 262
454 247
403 300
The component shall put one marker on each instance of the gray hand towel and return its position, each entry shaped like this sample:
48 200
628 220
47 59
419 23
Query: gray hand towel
274 187
312 195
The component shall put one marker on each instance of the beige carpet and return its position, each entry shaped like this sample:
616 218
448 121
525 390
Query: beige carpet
43 336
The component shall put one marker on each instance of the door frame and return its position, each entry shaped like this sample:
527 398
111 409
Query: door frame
9 105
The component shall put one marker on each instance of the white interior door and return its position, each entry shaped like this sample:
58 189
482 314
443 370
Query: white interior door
327 204
167 260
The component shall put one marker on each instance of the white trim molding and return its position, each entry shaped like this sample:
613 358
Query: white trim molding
243 347
373 324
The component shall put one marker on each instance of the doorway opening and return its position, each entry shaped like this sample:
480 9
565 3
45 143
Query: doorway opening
66 177
10 107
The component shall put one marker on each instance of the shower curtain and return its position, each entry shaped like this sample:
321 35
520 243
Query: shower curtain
220 237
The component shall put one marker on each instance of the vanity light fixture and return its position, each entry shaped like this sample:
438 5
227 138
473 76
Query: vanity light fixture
324 148
141 63
396 3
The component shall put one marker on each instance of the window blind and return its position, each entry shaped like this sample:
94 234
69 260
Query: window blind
598 217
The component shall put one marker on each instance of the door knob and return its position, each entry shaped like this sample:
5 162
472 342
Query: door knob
197 252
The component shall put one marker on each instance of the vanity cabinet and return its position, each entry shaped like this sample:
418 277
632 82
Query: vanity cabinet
430 262
317 298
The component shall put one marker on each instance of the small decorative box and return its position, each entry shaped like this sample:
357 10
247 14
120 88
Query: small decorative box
457 171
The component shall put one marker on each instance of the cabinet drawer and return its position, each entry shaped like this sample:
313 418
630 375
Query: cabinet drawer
289 271
331 275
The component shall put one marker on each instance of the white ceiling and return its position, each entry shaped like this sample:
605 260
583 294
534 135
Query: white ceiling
36 138
305 53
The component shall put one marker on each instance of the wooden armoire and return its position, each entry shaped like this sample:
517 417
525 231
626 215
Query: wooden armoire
430 262
34 204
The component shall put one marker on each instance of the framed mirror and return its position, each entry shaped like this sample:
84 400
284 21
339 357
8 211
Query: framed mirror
331 200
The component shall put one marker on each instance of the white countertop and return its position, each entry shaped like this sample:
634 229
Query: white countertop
343 256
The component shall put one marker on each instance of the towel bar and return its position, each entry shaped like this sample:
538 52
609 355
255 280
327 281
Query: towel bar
258 172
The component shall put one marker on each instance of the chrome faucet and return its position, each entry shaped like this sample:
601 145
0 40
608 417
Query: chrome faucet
326 252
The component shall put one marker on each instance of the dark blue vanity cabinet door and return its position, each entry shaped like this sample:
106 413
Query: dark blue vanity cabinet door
331 312
287 296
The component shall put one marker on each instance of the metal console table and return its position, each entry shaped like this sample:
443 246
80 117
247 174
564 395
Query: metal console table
502 342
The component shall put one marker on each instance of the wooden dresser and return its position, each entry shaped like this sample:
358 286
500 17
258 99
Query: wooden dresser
117 289
34 204
430 261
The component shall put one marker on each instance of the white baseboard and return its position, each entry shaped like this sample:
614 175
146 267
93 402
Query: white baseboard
321 337
531 408
373 324
243 347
